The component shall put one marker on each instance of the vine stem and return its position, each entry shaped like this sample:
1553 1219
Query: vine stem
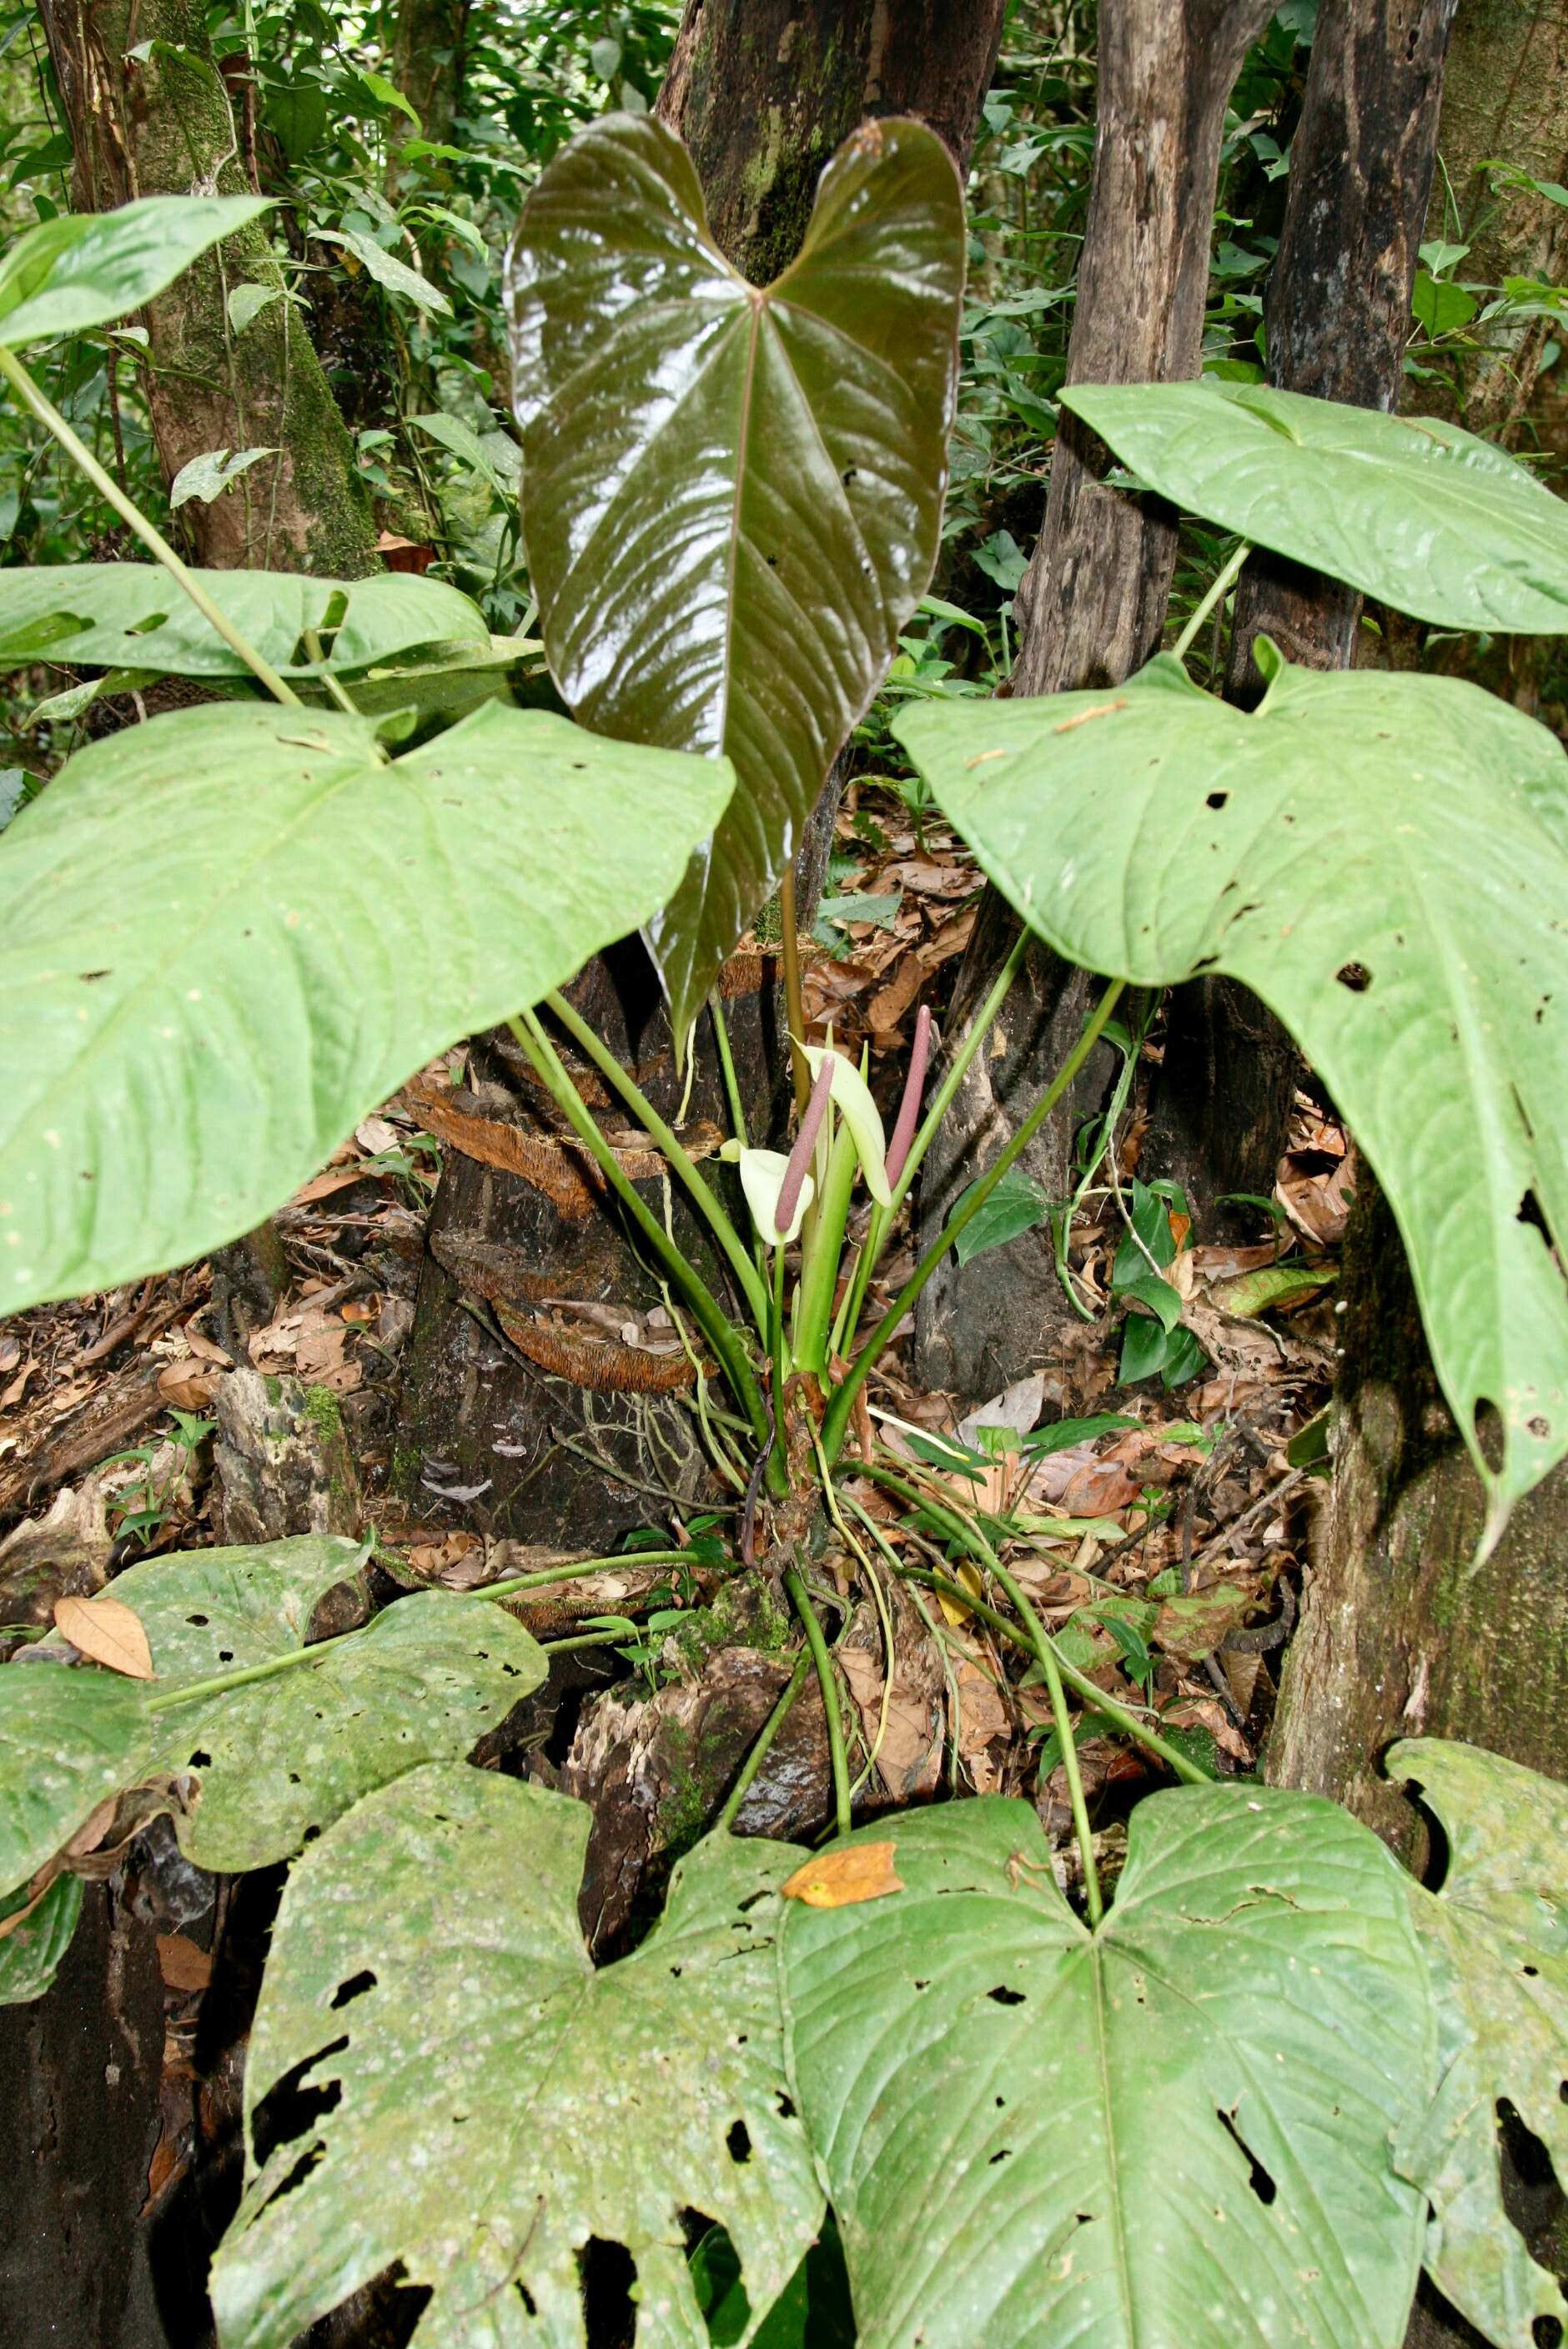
836 1419
801 1598
109 489
1216 594
963 1529
758 1754
707 1206
707 1310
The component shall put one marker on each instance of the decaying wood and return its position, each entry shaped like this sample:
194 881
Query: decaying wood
282 1464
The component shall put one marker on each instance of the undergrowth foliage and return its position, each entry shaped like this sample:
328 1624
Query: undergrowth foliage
1245 2097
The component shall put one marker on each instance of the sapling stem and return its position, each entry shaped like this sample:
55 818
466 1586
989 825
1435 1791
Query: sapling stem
36 402
765 1737
643 1109
836 1419
705 1309
802 1602
1216 593
793 1001
727 1062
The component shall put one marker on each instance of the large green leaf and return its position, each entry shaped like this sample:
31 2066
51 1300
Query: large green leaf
132 616
1497 1939
1170 2134
84 269
1384 859
732 498
502 2103
227 934
1409 509
275 1759
30 1954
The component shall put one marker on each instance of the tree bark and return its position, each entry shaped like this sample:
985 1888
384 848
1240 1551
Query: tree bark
763 92
1090 611
163 124
1338 305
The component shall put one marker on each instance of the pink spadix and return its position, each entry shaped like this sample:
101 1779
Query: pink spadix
909 1107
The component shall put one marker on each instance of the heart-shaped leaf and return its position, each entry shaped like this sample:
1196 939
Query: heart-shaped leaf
1415 512
502 2103
732 497
84 269
227 935
275 1759
1174 2129
1497 1939
1155 833
35 1932
132 616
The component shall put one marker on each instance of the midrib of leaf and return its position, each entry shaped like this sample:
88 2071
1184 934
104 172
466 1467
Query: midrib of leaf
1096 1957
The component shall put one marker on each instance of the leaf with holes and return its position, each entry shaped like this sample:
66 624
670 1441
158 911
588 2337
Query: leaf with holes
485 2105
1426 979
1411 510
84 269
228 934
274 1760
1172 2130
1496 1936
732 497
132 616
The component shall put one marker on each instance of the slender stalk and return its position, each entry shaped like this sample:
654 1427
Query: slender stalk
643 1109
580 1640
818 1276
109 489
705 1309
836 1419
1217 592
793 1005
823 1662
727 1062
766 1735
546 1575
334 684
221 1683
941 1100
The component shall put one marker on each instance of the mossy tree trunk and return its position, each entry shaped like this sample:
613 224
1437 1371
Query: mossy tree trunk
162 124
763 92
1090 611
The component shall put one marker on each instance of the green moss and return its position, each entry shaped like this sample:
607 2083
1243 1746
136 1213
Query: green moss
324 1409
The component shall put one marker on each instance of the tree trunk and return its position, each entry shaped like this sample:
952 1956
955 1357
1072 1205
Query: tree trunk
763 92
1091 610
1338 315
429 66
163 124
1338 303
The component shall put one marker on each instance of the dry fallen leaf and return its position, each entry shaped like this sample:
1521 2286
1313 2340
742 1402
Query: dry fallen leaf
860 1871
188 1384
182 1964
109 1632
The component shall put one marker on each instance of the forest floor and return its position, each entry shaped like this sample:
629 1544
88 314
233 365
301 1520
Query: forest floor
1164 1536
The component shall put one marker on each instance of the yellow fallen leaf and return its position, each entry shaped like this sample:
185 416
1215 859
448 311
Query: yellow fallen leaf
860 1871
109 1632
954 1608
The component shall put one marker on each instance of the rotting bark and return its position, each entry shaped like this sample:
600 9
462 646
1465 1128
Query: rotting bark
1090 611
765 91
163 125
763 94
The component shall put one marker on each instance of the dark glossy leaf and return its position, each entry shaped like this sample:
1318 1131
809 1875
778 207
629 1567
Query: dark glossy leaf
228 934
1428 983
1413 510
85 269
132 616
732 498
30 1953
494 2102
1171 2133
1016 1205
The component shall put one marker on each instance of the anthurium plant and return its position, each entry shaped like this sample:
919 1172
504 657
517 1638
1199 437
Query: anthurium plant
1246 2093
